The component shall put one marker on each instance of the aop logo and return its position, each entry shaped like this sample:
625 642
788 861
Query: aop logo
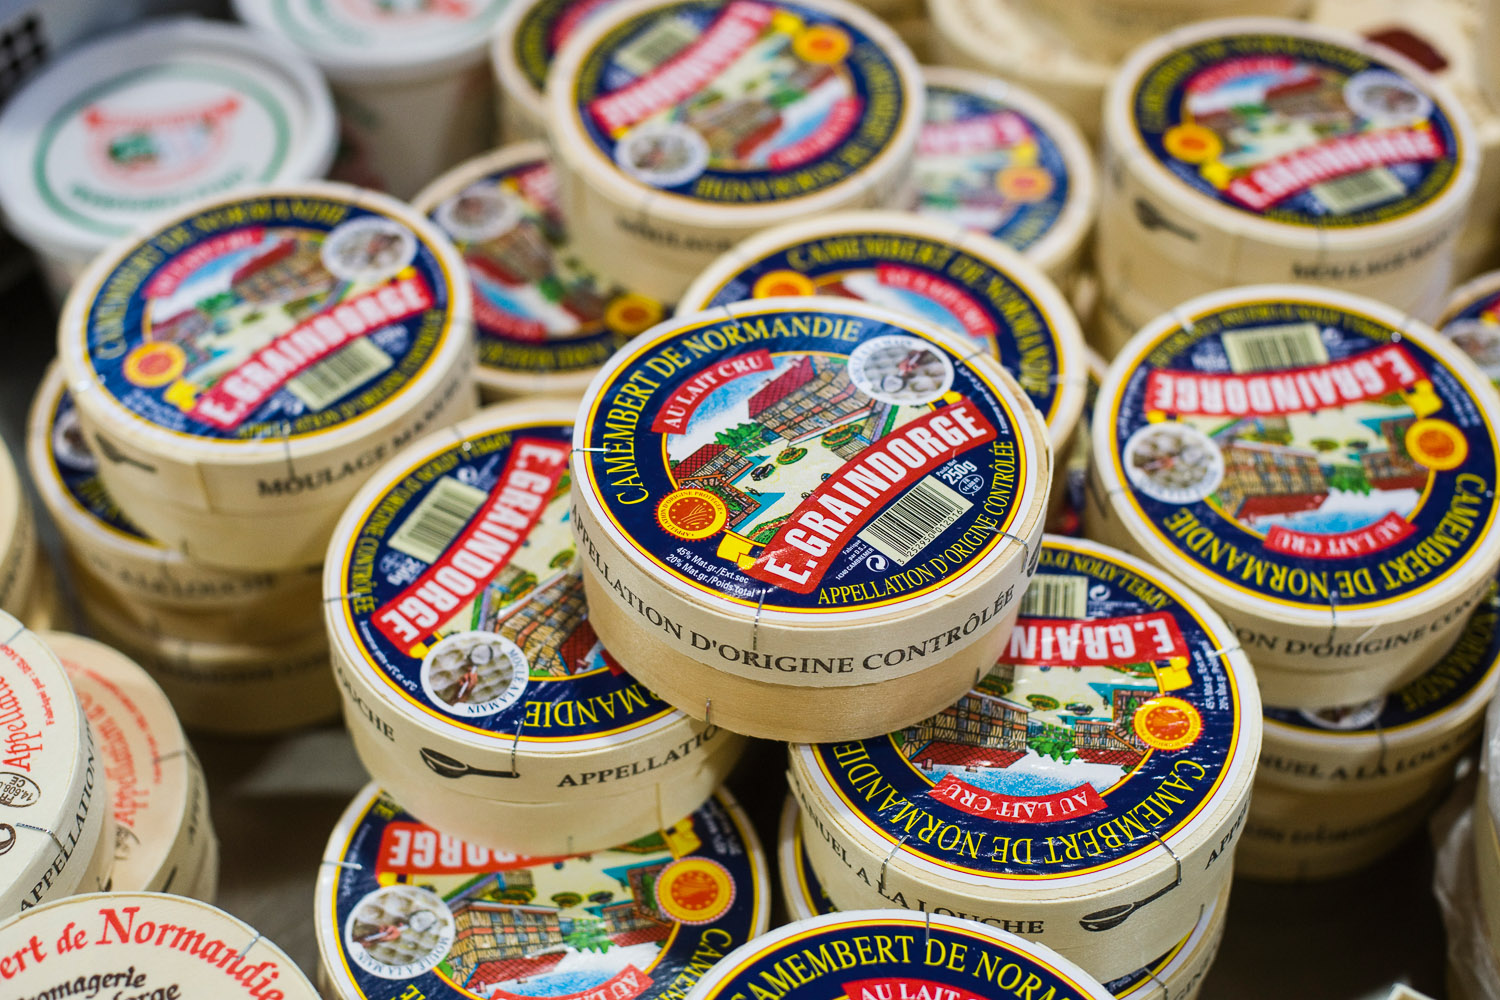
154 149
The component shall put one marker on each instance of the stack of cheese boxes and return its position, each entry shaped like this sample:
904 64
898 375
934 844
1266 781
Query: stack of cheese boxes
100 787
810 508
225 381
802 510
1283 425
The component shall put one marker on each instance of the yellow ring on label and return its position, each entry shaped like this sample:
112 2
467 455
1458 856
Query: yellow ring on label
692 514
1437 444
1024 184
822 44
632 314
1192 143
1168 723
783 282
154 364
694 891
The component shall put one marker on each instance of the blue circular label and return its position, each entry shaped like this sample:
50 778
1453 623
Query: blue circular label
417 910
924 277
817 902
537 307
467 603
1110 720
739 102
273 316
1306 454
985 164
1296 130
805 459
890 957
1468 665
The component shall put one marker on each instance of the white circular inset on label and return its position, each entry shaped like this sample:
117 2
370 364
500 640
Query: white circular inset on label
478 213
475 674
369 249
399 932
901 370
1346 717
662 154
1173 462
1386 98
1480 341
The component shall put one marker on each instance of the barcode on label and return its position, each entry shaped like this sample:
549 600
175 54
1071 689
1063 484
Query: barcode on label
1359 191
438 519
656 46
1273 348
339 374
919 515
1054 596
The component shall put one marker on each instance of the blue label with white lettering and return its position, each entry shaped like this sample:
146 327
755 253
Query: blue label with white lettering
641 921
811 459
467 601
1305 453
984 164
1298 130
925 277
1110 721
892 957
275 316
740 102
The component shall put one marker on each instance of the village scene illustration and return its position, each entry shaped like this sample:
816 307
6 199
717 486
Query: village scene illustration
776 96
528 283
536 600
549 928
762 443
1281 106
978 188
243 299
1037 729
1317 472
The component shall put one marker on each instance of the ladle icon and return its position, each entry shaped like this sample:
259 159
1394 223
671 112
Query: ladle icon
451 767
1111 917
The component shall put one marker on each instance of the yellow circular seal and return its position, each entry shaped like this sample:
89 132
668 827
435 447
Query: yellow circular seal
1437 444
774 283
694 891
632 314
154 364
822 45
1192 143
1168 723
1024 184
692 514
